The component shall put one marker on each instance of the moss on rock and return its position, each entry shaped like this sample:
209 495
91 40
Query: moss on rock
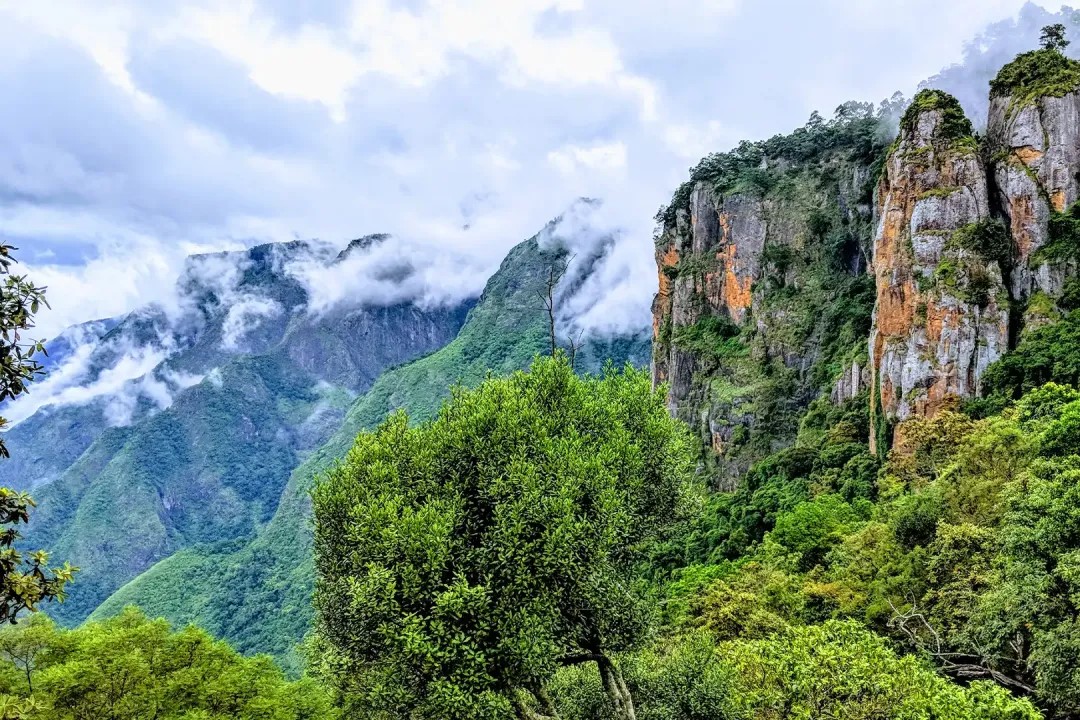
954 123
1035 74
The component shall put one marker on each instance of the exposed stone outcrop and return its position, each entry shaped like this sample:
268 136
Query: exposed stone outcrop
941 315
708 265
852 381
1035 152
762 262
746 280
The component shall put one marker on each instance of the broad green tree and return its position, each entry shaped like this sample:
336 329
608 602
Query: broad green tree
831 670
133 668
462 561
25 581
1053 37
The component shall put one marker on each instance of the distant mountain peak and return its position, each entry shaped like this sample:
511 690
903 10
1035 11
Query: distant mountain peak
361 244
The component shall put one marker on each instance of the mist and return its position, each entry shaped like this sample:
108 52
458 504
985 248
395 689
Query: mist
202 128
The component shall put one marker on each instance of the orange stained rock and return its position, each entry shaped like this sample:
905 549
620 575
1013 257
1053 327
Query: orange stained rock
669 258
888 396
725 225
896 291
1028 154
1057 200
736 290
1021 220
937 319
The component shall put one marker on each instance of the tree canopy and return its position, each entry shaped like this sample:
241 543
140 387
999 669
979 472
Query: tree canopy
23 584
132 668
1053 37
462 561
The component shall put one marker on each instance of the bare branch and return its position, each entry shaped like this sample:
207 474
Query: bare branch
916 627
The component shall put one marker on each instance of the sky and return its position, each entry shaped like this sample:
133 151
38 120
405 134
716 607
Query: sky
136 132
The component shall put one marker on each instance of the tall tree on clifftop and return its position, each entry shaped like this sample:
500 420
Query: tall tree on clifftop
1053 38
462 561
23 584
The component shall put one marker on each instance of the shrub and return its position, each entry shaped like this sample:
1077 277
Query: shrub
1035 74
954 123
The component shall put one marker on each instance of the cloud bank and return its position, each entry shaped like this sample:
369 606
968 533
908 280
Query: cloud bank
138 133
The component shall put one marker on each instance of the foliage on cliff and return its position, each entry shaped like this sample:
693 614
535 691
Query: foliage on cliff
804 298
855 126
954 124
1038 73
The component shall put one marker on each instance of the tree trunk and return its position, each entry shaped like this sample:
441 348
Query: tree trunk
616 689
524 707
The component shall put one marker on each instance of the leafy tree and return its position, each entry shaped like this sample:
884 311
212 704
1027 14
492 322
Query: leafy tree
1053 38
841 670
462 561
22 585
20 300
813 528
132 668
24 648
832 670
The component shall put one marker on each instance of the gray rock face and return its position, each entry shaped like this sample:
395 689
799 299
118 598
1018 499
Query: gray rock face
852 381
1035 151
738 318
941 315
708 265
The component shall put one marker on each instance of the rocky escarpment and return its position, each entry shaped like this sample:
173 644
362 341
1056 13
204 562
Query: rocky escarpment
764 301
1033 139
941 315
763 296
974 244
709 263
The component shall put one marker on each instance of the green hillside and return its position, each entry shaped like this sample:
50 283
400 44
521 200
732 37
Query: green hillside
267 607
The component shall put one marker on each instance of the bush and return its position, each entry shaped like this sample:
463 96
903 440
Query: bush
954 123
131 668
1050 353
1035 74
833 670
989 238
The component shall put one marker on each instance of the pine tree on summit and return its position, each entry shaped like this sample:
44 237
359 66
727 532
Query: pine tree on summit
23 583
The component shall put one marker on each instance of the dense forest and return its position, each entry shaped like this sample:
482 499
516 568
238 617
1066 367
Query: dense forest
760 527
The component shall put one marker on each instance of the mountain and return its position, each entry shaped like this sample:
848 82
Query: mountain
181 425
210 492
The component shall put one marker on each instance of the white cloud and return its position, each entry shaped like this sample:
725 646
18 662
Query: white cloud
605 157
106 286
145 130
309 64
606 290
387 272
68 384
244 315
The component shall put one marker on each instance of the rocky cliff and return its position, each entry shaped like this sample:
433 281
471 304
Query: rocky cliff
765 292
1033 140
976 242
763 296
941 315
